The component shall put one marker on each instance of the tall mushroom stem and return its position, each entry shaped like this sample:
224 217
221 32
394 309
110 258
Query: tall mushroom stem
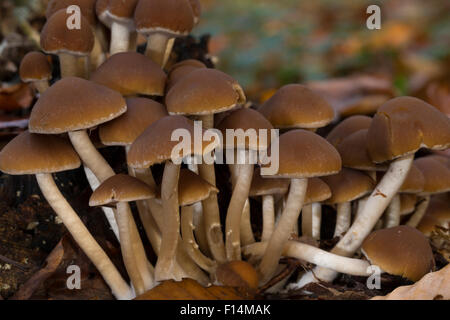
393 212
189 242
156 47
83 237
268 205
421 209
211 215
343 218
283 229
236 205
123 217
311 220
367 217
68 65
120 38
171 225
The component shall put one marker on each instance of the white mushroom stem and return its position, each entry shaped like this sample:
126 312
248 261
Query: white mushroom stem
41 85
343 218
311 254
211 215
283 229
126 247
200 234
156 47
171 225
68 65
120 38
236 205
311 220
189 242
373 209
393 212
419 213
83 237
168 51
268 212
361 203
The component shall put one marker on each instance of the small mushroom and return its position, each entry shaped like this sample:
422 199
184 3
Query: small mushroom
36 68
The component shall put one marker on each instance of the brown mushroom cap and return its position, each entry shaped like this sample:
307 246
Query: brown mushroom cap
317 191
304 154
437 175
192 188
403 125
182 69
438 213
204 91
141 113
75 104
87 8
30 153
120 188
401 250
297 106
237 274
246 119
354 152
35 66
407 203
263 186
131 73
57 38
174 17
348 185
196 9
414 182
347 127
154 145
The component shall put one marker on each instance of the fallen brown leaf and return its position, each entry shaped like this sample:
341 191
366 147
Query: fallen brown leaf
189 289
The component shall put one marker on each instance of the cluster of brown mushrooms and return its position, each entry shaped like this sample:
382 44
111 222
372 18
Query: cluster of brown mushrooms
364 168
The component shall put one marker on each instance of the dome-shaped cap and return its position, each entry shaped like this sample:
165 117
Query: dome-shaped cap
250 121
154 145
204 91
87 8
120 188
30 153
348 185
402 251
75 104
192 188
174 17
263 186
403 125
35 66
317 191
57 38
131 73
414 182
122 131
304 154
119 11
297 106
437 175
196 10
437 214
347 127
182 69
355 155
407 203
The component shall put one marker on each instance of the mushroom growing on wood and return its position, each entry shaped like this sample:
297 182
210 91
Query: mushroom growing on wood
400 127
43 155
302 155
36 68
119 190
68 44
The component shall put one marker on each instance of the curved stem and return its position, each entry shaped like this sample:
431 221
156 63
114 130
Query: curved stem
190 244
283 229
268 217
211 215
83 237
343 218
419 213
247 236
368 216
171 223
393 212
236 206
126 245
